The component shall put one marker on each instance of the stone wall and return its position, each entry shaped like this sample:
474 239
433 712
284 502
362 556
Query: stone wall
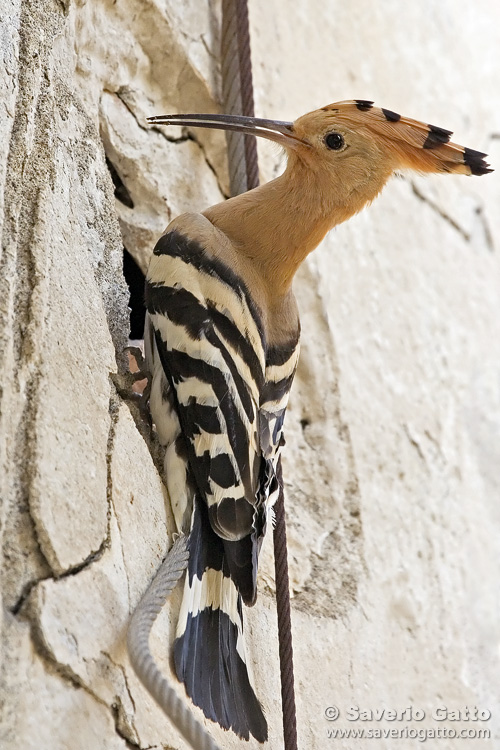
393 429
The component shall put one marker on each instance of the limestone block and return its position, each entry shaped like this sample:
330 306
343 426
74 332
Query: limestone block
76 357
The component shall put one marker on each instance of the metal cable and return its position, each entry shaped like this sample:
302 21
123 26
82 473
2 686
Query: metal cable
284 619
237 94
246 90
141 658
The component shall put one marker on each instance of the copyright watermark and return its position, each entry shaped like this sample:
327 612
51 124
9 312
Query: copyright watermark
410 713
372 723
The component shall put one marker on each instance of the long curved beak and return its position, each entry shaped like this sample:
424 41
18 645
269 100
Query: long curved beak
273 130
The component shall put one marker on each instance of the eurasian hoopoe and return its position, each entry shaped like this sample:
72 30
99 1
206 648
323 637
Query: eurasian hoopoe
222 343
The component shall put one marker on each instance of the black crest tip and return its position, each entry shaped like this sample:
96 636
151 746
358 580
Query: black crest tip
437 137
391 116
475 160
363 105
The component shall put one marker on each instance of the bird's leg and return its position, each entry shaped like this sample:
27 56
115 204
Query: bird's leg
136 360
130 384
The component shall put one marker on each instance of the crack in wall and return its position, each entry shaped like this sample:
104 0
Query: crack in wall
415 443
416 191
209 164
65 672
215 58
479 211
45 652
114 406
25 594
125 725
123 382
94 555
187 135
488 234
124 673
121 94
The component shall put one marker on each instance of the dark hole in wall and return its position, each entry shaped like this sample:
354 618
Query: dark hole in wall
133 274
135 280
121 192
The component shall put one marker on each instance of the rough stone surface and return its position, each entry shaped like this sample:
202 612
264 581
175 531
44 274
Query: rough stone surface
391 464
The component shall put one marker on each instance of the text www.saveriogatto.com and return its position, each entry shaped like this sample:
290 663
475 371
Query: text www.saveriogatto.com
475 718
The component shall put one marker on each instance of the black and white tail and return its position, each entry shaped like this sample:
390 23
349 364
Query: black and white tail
209 651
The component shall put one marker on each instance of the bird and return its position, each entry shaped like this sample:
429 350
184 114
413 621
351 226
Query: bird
221 346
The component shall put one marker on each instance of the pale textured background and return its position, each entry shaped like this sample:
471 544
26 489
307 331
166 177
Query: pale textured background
393 434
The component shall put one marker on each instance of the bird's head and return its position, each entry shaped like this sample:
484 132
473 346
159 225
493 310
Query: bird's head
352 141
349 135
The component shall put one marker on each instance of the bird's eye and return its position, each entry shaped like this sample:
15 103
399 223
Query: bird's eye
335 141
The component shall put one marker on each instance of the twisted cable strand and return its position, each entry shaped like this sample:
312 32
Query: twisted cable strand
246 89
237 94
284 619
141 658
231 97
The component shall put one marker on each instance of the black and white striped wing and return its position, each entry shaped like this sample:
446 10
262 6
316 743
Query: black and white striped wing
208 339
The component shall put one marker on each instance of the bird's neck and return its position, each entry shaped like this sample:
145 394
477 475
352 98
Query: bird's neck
278 224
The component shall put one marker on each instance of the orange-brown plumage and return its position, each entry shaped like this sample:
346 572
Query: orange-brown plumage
267 232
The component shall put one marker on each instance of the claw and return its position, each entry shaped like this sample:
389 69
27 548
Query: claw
127 383
135 352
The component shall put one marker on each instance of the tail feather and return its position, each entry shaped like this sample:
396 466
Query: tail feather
209 651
